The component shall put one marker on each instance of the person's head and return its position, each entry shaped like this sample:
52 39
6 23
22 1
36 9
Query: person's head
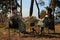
48 10
14 10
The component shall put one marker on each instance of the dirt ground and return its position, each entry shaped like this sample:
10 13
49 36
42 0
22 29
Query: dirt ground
14 35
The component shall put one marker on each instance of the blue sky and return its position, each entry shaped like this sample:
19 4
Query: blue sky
26 7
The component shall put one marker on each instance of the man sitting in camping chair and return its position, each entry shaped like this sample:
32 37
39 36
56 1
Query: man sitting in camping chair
13 23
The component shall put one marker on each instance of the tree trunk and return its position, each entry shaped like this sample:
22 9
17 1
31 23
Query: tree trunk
38 9
21 8
31 8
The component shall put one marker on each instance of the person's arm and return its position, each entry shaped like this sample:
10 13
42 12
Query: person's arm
42 19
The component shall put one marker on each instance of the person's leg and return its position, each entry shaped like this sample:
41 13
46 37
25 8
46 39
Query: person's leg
42 28
39 29
30 29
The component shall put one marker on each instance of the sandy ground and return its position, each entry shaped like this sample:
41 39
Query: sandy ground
4 34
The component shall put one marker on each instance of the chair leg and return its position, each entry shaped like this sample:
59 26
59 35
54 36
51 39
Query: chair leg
19 31
9 33
54 30
48 30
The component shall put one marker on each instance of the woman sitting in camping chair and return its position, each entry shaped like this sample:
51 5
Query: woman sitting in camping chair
48 20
